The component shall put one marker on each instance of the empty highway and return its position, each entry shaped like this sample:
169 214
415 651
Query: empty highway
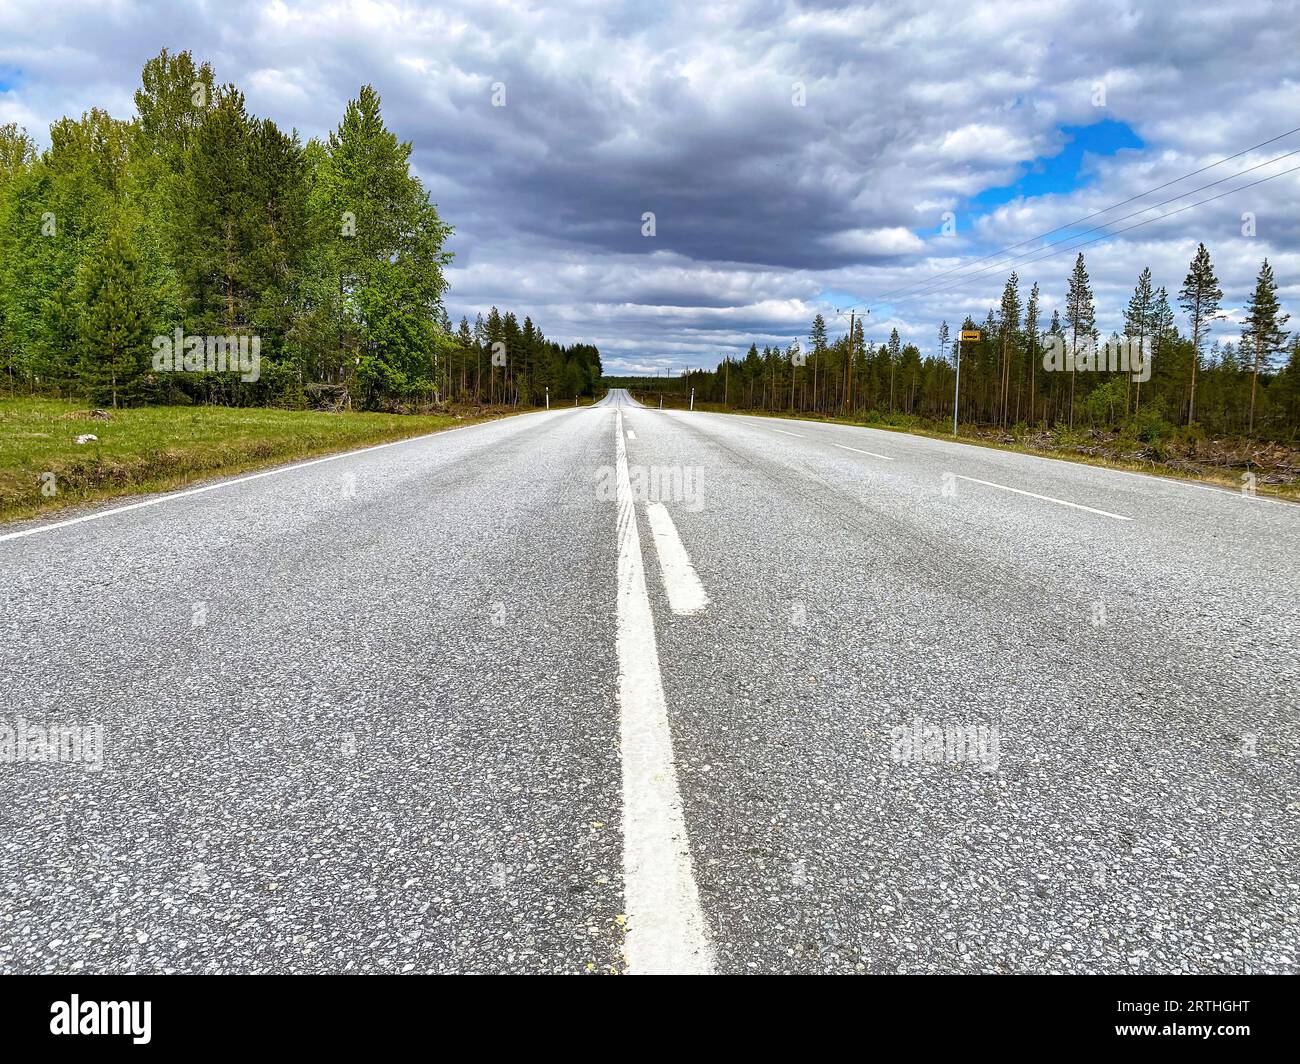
618 689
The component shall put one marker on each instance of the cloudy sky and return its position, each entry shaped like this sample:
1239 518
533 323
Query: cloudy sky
797 157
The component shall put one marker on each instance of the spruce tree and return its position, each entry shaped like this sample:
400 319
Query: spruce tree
213 219
114 341
895 349
1263 336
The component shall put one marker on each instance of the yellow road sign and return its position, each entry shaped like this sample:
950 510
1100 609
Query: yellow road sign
970 334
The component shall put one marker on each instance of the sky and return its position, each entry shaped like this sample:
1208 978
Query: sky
797 158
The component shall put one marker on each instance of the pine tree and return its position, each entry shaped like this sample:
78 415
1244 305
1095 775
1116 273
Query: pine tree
1263 336
115 334
1080 315
1200 297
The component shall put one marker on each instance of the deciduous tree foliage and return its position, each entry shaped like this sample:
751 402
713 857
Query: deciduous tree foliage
198 215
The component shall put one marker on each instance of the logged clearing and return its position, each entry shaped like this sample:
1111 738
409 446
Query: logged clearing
1261 466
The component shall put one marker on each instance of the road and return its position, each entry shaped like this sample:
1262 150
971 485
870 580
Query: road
619 689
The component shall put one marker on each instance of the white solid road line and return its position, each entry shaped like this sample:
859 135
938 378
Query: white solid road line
784 433
685 592
859 450
665 925
1045 498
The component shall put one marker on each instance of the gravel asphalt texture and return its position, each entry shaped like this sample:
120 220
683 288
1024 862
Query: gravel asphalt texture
362 715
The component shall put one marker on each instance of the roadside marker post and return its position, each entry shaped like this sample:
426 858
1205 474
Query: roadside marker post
964 334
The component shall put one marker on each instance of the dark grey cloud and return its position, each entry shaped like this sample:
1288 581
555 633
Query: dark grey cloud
766 212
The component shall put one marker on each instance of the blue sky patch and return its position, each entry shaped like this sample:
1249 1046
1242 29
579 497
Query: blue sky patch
1061 173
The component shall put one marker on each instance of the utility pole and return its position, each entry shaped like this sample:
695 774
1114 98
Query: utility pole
726 379
848 369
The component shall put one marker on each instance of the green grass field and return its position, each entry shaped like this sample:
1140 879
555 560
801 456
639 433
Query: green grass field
162 447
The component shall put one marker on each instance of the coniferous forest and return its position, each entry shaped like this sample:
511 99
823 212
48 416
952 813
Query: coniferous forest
1196 383
196 218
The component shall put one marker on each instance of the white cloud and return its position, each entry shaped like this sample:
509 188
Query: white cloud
687 109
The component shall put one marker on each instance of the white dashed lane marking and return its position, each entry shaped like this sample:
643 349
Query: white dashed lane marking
681 583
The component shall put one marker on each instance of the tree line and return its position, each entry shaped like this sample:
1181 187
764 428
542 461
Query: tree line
1246 388
196 219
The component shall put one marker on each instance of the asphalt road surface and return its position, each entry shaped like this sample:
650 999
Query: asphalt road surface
616 689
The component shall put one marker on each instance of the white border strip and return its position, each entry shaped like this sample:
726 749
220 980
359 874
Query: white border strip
859 450
1045 498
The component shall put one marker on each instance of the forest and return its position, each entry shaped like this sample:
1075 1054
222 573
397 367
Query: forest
1197 384
196 218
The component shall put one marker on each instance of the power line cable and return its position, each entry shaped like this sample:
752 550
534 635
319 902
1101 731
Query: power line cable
930 286
1089 217
1055 249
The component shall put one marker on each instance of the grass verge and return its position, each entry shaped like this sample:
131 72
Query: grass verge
159 448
